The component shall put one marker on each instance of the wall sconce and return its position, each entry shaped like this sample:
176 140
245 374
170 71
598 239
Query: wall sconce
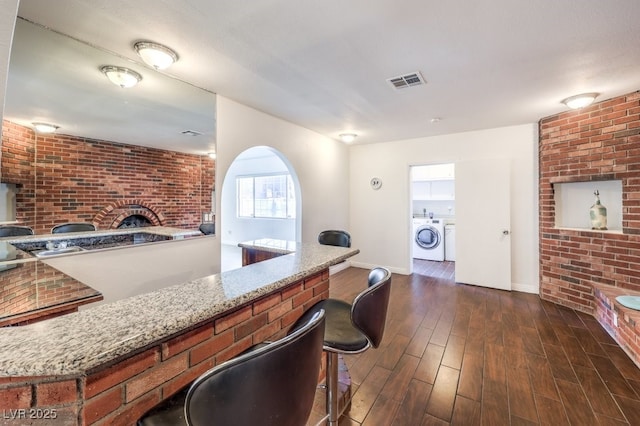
348 137
580 101
120 76
45 127
155 55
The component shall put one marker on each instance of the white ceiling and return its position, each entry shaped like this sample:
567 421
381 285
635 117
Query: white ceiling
324 64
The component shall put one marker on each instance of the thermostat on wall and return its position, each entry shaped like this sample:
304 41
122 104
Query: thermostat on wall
376 183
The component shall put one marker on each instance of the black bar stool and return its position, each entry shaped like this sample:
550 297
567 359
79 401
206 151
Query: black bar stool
73 227
351 328
334 237
15 231
272 385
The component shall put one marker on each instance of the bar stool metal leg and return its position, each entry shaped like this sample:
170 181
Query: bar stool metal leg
332 388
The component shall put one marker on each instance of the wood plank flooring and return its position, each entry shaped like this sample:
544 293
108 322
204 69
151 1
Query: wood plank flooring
465 355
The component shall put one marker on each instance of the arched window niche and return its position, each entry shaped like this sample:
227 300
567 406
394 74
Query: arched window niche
260 198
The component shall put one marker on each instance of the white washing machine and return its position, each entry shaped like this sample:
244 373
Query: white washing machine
428 239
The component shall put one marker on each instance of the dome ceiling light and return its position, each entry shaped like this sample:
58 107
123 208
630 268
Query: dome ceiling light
120 76
347 137
45 127
156 55
580 101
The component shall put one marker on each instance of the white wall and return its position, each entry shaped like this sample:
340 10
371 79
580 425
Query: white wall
321 163
380 220
7 22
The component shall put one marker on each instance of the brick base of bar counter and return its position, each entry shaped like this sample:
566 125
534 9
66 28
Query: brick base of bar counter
121 393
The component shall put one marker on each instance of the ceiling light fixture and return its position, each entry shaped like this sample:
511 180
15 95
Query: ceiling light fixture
212 155
580 101
45 127
347 137
120 76
155 55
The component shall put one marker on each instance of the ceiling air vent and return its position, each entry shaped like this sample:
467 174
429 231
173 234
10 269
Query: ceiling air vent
407 80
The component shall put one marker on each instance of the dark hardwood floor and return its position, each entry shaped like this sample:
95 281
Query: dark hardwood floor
465 355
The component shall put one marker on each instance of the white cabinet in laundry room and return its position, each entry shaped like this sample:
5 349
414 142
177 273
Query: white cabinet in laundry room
441 189
435 182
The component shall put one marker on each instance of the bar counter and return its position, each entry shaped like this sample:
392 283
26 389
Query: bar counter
111 363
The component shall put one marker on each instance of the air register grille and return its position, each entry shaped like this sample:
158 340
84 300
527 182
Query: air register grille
407 80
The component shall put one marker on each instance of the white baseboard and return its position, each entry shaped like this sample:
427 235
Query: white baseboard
525 288
339 267
393 270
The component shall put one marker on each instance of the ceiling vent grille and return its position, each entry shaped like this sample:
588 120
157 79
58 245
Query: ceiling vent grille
407 80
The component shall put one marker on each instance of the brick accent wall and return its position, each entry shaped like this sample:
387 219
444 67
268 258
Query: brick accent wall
69 179
121 393
600 142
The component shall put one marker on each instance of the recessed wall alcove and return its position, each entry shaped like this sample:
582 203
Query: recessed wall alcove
573 201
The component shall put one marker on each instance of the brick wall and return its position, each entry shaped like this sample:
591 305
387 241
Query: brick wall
33 291
600 142
119 394
76 179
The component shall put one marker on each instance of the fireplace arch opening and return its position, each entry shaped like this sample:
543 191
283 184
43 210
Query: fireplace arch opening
134 221
129 214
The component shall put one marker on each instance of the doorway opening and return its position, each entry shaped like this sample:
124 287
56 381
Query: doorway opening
433 219
261 198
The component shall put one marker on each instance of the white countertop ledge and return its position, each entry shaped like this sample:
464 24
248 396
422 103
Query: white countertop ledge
76 343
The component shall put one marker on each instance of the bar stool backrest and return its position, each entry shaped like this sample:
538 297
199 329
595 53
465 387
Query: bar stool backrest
369 308
273 385
15 231
73 227
335 238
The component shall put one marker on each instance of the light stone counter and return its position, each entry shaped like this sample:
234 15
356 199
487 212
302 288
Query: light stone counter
78 342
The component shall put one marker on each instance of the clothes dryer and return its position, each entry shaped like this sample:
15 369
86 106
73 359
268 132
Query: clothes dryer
428 239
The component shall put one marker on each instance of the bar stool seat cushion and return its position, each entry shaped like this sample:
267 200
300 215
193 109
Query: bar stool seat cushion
339 334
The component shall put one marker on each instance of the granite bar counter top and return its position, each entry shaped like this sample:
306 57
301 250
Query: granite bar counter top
270 245
77 342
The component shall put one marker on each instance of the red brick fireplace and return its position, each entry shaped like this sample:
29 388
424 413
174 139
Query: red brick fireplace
597 143
114 214
63 178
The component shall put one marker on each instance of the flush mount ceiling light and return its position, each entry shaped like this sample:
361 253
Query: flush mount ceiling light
155 55
347 137
45 127
120 76
580 101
